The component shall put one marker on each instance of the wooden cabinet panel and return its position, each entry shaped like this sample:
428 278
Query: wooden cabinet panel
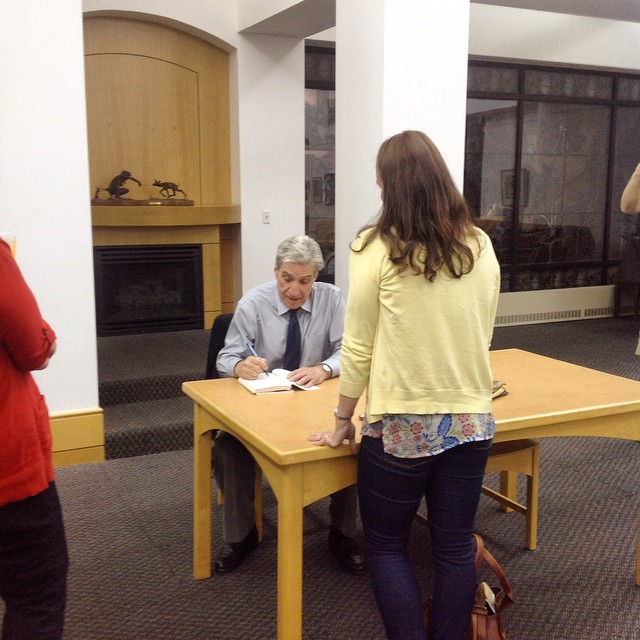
157 106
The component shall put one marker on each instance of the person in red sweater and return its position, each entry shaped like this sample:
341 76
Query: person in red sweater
33 548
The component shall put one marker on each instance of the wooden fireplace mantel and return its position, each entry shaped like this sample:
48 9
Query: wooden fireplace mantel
215 227
164 215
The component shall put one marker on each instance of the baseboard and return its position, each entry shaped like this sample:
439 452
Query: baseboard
78 437
555 305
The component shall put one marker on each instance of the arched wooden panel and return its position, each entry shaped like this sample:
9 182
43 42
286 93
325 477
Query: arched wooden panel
157 106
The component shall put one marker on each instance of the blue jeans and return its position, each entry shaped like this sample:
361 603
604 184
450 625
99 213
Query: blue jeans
390 490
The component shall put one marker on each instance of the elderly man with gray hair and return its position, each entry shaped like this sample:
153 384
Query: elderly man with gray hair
292 322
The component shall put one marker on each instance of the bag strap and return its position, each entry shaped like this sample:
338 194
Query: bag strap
482 553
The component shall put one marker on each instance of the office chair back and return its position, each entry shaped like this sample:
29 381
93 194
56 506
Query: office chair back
216 342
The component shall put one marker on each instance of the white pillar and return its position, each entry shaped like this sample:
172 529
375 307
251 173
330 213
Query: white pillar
271 142
400 64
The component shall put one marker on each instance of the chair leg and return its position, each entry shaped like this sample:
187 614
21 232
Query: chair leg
509 487
510 460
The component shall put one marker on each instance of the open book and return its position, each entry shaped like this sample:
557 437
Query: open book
273 381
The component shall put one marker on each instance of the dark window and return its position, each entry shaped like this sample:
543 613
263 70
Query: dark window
548 152
320 143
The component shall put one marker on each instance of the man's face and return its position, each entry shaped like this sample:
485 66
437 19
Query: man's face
295 282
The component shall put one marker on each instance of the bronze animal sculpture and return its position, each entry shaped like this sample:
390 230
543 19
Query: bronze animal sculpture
168 189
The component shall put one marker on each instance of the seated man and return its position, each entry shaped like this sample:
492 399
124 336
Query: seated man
295 323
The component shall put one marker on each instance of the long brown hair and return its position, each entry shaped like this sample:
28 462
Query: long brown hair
424 219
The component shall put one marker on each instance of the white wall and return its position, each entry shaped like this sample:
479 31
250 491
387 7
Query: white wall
44 168
523 34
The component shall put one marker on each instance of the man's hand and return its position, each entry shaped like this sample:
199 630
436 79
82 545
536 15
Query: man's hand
250 368
308 376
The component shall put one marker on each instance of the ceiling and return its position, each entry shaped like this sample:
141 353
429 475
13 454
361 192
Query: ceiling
626 10
306 17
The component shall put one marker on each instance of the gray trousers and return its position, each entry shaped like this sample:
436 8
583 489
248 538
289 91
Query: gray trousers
234 471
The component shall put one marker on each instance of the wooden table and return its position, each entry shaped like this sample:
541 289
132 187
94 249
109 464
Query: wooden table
546 398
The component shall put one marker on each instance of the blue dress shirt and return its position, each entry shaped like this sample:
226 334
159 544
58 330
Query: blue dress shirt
261 319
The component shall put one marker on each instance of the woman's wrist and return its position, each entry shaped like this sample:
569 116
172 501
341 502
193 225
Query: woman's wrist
341 418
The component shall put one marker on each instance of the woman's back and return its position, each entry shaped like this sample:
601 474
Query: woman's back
430 339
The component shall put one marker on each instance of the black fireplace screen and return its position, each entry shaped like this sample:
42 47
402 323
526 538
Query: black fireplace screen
143 289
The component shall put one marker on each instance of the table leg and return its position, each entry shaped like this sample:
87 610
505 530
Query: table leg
290 514
638 558
201 496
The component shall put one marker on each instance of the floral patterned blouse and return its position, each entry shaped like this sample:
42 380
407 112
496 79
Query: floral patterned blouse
416 436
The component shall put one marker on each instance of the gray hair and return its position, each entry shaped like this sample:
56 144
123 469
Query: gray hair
300 250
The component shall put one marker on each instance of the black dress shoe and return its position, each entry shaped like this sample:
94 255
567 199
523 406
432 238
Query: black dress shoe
347 552
233 554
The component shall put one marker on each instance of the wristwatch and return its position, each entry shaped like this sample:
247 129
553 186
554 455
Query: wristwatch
327 368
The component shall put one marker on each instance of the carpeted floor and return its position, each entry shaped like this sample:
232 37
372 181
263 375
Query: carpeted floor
129 529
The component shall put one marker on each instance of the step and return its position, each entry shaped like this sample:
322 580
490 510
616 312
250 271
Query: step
140 428
139 356
144 389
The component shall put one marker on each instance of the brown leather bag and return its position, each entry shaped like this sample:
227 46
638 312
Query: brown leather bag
486 617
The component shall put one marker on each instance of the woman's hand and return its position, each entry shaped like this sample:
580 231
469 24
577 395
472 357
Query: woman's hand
345 430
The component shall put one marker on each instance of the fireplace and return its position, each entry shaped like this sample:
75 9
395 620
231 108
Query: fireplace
148 288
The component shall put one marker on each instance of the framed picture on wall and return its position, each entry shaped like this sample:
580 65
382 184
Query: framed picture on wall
507 187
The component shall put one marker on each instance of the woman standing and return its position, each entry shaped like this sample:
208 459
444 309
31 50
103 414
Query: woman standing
33 548
423 292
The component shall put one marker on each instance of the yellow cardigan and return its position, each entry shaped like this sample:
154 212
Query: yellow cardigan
417 346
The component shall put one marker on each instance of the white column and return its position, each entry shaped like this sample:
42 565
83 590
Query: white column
271 143
400 64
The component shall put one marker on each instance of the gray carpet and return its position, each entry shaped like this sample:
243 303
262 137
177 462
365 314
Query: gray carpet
129 528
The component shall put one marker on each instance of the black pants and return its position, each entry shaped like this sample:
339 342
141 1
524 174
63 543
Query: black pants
33 567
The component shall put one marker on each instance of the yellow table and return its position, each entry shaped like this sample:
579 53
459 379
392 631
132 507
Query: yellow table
546 398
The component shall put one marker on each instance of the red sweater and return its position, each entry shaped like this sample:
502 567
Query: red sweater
26 466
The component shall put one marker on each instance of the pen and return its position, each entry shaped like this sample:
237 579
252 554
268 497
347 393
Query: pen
253 353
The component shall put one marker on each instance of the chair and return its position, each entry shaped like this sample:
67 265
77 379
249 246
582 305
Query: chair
216 342
509 459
